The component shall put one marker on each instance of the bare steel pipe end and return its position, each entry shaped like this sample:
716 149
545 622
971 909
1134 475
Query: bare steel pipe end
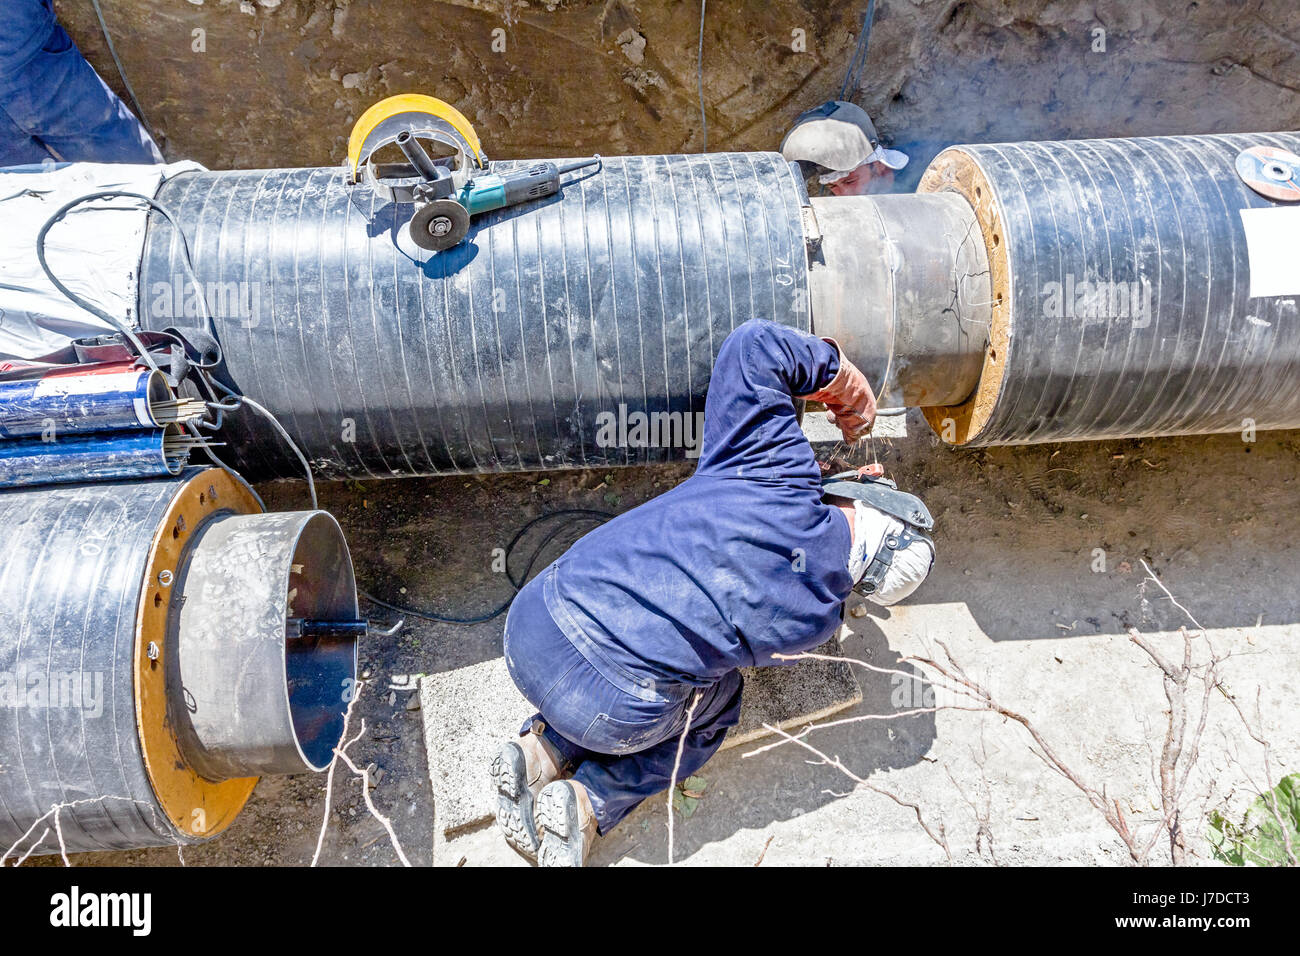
246 696
901 282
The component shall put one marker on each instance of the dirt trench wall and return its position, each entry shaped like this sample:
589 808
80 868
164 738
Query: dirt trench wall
256 83
1040 548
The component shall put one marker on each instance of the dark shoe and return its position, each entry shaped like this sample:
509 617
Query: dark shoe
565 823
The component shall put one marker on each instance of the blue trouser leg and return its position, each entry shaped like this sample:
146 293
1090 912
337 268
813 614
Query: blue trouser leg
616 784
58 100
620 745
17 148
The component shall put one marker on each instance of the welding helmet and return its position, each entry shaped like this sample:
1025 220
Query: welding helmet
892 550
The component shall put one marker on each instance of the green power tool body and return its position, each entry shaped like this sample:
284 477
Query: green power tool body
442 220
447 191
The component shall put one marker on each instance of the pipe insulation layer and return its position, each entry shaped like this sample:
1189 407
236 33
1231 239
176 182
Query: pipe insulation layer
536 343
97 600
1127 299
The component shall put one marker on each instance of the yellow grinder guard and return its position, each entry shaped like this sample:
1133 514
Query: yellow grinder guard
381 123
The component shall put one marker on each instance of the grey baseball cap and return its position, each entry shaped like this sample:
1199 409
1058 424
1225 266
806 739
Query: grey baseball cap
838 137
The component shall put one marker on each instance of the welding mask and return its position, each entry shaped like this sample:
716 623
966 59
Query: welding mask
892 551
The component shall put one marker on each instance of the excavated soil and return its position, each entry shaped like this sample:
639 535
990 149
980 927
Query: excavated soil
272 83
280 83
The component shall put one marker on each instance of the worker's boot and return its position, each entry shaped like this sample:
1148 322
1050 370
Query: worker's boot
521 769
566 824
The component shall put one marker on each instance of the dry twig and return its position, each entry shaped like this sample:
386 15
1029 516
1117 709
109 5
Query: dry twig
340 753
55 812
329 777
672 783
1266 793
938 834
1179 753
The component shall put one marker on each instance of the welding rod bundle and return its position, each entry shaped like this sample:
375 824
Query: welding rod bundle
92 422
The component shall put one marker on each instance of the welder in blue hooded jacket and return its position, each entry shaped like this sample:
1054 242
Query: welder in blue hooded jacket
53 105
649 616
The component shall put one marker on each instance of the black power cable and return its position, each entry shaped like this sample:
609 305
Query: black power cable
579 514
90 307
586 514
236 399
112 51
853 76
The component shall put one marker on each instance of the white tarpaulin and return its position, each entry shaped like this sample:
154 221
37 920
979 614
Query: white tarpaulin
95 250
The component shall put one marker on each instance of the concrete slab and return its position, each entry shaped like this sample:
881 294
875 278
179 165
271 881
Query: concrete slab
792 696
468 711
818 430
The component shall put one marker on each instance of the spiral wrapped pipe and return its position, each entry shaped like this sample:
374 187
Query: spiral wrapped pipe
70 589
512 351
148 671
1121 282
1030 292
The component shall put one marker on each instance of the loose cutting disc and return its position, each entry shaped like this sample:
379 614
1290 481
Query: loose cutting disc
1271 171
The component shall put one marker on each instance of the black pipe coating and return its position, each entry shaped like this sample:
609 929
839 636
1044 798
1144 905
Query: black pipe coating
1126 308
71 569
508 352
1119 283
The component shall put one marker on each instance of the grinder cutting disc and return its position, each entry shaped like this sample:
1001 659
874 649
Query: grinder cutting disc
1271 171
439 225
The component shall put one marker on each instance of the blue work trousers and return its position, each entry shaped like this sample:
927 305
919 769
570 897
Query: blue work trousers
53 105
617 735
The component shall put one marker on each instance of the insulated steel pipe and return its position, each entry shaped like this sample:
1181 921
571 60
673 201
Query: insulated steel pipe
1140 287
126 636
1029 292
604 302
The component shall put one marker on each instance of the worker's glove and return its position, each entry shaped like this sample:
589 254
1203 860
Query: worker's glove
848 398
